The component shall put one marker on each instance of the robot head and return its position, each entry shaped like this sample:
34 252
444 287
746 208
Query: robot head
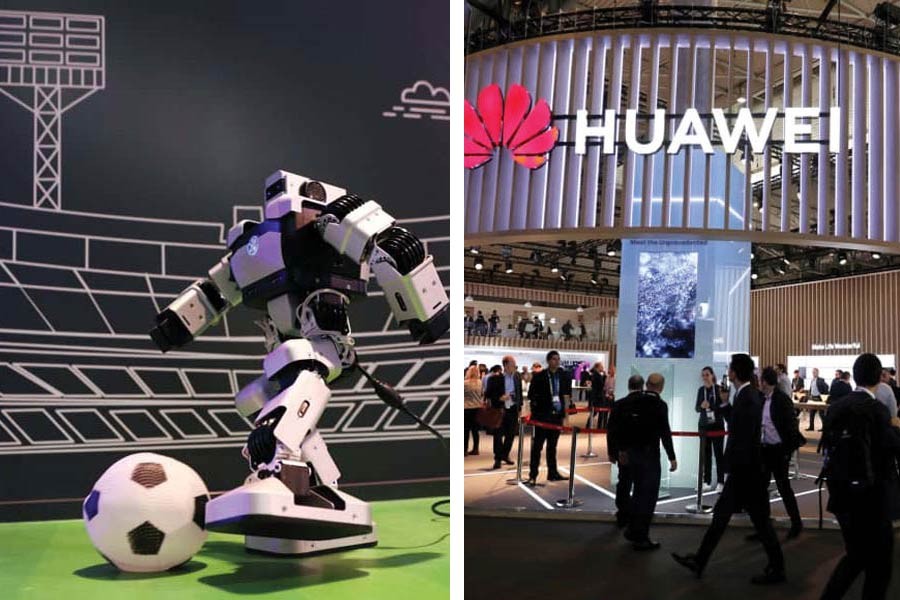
289 192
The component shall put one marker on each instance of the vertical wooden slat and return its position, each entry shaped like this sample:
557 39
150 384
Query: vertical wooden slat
522 177
876 132
592 170
508 170
824 167
634 92
650 160
858 173
841 181
574 164
805 159
787 185
667 158
537 193
557 167
615 95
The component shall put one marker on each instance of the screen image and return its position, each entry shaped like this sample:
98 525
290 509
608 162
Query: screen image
666 304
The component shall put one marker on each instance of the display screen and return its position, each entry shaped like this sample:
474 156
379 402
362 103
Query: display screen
666 304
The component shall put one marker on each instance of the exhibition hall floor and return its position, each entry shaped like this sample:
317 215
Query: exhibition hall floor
495 493
508 558
55 559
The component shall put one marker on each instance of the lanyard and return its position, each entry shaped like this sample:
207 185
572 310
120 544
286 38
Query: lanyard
554 384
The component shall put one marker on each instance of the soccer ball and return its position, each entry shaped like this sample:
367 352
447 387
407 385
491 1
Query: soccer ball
147 513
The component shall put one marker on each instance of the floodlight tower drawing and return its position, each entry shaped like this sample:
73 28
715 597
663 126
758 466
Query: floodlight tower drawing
49 62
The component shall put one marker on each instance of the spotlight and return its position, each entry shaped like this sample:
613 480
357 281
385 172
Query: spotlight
469 298
509 267
473 250
580 309
842 258
613 248
528 304
876 255
752 256
786 261
554 268
594 278
779 270
553 320
479 264
754 275
741 100
563 276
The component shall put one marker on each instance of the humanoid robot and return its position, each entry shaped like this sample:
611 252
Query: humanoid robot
302 264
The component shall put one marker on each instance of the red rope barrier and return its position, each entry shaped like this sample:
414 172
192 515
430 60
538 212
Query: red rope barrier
569 429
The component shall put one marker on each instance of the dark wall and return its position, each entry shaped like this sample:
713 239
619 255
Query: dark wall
202 101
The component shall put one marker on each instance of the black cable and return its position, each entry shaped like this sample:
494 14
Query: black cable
438 512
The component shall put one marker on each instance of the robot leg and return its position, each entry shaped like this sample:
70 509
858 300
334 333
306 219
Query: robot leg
279 509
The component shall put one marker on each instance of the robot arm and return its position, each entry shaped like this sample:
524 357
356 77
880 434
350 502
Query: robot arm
197 308
366 234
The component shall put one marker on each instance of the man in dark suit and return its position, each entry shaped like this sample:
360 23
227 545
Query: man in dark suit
746 484
505 391
597 396
549 395
614 442
797 383
779 431
640 423
839 387
859 496
817 387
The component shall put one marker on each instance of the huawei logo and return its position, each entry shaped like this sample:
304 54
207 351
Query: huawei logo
512 123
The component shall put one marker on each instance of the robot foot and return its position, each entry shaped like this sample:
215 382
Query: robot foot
267 508
283 546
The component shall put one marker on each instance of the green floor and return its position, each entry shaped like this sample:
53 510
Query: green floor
56 560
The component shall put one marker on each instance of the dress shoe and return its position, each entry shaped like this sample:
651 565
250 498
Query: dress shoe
795 530
689 562
474 453
530 482
768 577
556 477
496 465
645 545
508 461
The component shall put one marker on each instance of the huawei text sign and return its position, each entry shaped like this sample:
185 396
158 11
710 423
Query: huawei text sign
691 131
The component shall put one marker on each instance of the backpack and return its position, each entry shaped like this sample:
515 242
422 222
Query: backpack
847 448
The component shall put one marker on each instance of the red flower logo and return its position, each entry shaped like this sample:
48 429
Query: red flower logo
513 123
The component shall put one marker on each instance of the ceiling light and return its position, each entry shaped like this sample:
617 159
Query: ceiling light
473 250
842 258
752 256
876 255
594 278
779 270
509 267
786 261
580 309
469 298
554 269
753 275
741 100
528 304
479 264
553 320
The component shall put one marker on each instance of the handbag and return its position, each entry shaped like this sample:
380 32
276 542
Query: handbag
489 417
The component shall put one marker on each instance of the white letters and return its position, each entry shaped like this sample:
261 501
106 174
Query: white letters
792 129
691 120
606 130
656 141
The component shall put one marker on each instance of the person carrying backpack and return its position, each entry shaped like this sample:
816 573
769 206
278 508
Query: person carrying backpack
861 447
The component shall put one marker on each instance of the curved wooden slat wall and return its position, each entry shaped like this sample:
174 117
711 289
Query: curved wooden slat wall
576 196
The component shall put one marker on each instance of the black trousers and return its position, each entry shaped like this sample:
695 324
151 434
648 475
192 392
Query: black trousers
812 419
869 542
746 490
471 426
602 418
714 446
645 473
623 494
551 436
776 461
506 433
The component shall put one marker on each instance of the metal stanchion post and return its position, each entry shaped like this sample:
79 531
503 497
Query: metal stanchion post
698 507
519 453
570 501
590 449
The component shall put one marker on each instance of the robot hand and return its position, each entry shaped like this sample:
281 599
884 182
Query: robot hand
169 332
194 311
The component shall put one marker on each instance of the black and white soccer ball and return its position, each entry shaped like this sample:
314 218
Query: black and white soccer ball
147 513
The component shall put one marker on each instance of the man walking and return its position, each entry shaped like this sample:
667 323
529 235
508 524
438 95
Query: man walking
639 424
745 485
